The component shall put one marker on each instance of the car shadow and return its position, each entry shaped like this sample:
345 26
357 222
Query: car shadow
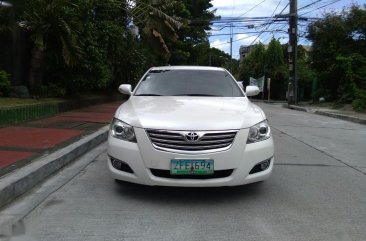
190 195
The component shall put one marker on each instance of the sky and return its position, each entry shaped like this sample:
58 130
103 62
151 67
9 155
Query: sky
244 34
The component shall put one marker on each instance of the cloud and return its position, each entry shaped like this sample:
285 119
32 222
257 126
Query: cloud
246 39
223 45
243 8
239 40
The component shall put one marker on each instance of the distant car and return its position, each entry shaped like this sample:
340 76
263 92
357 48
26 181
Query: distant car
189 126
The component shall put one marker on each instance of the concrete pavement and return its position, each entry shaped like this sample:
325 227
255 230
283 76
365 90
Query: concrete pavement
317 192
32 151
32 141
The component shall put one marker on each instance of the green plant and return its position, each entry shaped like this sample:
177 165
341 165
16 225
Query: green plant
359 104
56 90
5 85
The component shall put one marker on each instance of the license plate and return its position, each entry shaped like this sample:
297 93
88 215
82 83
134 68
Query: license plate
191 167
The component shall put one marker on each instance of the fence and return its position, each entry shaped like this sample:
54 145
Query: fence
9 115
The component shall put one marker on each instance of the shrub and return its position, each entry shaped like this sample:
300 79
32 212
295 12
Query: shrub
5 85
359 104
56 90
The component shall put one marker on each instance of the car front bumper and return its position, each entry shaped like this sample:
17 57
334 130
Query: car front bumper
142 158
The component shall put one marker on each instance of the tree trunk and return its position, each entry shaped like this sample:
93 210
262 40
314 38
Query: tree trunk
35 72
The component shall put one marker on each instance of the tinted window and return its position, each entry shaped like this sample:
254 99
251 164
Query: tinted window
188 83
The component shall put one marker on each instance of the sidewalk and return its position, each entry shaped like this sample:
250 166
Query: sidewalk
30 143
348 115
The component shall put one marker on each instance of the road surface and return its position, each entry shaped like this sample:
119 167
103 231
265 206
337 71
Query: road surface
317 192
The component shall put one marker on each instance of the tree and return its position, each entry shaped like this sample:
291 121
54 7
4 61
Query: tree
203 54
338 56
276 69
50 21
155 25
305 74
253 65
196 16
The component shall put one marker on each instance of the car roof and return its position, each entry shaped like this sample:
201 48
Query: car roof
182 67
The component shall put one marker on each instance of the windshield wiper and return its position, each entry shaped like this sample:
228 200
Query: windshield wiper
147 95
196 95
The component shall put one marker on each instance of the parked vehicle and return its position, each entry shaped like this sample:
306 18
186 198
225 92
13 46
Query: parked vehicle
190 126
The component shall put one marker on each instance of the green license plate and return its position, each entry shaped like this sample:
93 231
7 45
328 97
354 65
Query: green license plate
191 167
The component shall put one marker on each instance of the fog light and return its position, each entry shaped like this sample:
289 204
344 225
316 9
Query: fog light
116 164
264 165
120 165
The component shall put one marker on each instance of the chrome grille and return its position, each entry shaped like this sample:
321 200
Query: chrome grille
209 141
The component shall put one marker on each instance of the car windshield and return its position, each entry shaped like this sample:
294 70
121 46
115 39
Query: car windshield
185 82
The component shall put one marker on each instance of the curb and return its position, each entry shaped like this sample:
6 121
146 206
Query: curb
295 107
329 114
343 117
22 180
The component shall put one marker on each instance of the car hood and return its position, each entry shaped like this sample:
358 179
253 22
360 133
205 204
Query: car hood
189 113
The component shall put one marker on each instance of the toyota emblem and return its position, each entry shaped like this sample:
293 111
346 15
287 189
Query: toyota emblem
192 137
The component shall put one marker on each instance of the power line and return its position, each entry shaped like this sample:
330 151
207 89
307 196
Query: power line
283 9
268 24
310 4
335 1
268 31
252 8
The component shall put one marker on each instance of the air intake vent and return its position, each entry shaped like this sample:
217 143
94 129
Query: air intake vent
166 174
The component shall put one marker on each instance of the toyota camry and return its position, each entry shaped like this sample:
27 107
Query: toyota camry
189 126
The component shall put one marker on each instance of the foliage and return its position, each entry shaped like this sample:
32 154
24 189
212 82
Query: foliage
91 45
192 36
203 54
10 15
269 63
5 85
306 76
339 53
52 25
253 65
155 26
53 22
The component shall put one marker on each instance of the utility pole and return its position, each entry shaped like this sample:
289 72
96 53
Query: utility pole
231 47
292 50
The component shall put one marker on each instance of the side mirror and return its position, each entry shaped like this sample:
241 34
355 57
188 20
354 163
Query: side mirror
125 89
252 90
240 83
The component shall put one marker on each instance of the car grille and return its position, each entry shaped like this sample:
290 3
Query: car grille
209 141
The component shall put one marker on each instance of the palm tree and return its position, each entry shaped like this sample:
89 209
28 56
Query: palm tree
50 21
154 24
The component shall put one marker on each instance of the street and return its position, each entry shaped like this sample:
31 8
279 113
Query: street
316 192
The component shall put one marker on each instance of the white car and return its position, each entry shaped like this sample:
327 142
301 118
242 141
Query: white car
189 126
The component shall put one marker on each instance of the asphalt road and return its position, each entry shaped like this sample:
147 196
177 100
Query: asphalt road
317 192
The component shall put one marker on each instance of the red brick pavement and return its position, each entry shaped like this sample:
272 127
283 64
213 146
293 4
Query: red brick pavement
34 138
9 157
31 139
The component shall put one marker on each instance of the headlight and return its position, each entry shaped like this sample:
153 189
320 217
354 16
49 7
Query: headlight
123 131
259 132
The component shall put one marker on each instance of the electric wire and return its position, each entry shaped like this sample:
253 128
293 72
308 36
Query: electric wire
310 4
268 25
252 8
326 5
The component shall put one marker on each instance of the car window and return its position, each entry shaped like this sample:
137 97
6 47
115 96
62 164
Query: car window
188 83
